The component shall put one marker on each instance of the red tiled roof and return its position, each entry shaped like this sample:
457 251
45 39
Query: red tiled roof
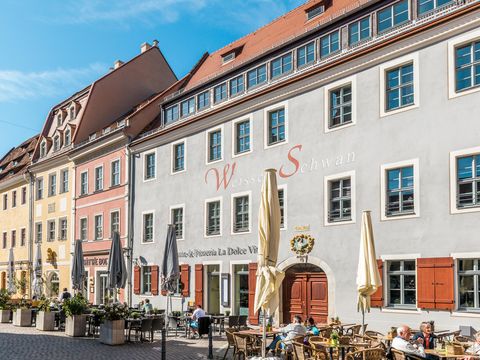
16 161
282 29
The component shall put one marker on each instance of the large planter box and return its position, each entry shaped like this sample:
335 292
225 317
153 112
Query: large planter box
5 316
76 325
45 321
112 332
22 317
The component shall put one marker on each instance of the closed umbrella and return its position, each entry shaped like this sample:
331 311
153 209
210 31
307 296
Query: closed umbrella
368 277
37 268
12 289
269 278
117 270
170 274
78 267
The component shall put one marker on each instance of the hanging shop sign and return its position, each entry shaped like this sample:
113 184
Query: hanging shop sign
302 244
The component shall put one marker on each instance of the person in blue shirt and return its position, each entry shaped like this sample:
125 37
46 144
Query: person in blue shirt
312 327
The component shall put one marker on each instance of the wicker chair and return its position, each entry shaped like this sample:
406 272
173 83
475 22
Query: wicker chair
244 345
287 349
373 334
326 332
231 342
400 355
305 352
367 354
354 330
463 339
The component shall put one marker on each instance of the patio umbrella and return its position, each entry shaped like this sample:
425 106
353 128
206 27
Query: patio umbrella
368 277
78 267
37 284
12 289
269 278
170 273
117 270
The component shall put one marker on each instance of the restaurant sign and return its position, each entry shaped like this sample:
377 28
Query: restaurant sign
95 261
228 251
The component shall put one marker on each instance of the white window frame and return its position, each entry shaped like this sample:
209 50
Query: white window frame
117 210
81 193
205 217
95 227
174 207
266 111
60 228
453 179
172 158
61 190
233 210
35 237
69 137
416 188
146 212
249 118
352 81
207 144
43 148
410 58
459 311
20 237
285 207
50 183
119 172
95 178
51 221
80 228
154 151
142 291
455 42
326 196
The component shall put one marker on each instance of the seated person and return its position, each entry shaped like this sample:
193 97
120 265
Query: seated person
289 332
311 327
475 348
427 335
402 343
197 314
147 307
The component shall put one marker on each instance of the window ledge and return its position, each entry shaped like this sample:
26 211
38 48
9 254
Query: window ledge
401 310
329 129
336 223
399 217
460 313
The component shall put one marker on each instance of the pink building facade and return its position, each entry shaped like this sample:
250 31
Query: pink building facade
101 208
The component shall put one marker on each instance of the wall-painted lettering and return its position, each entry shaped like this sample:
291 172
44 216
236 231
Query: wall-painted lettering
293 160
225 178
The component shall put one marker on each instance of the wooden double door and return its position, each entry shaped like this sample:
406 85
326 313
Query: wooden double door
305 294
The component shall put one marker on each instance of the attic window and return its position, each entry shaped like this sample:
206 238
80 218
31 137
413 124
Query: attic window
43 149
228 57
72 113
59 120
315 11
92 136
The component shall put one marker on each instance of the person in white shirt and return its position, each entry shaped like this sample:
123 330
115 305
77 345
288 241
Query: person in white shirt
402 343
197 314
475 348
289 332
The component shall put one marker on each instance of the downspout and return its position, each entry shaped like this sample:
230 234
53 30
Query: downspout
28 176
130 232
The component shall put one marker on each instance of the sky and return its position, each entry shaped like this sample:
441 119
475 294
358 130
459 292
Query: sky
50 49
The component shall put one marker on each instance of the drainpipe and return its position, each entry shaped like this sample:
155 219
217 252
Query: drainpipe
28 176
130 232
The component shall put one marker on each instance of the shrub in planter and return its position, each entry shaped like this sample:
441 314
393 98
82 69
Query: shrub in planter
113 328
45 318
76 320
22 315
5 306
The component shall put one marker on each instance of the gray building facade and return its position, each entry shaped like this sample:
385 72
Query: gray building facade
385 123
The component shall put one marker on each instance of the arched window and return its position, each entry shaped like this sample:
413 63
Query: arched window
53 285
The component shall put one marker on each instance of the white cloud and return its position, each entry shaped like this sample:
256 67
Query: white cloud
17 85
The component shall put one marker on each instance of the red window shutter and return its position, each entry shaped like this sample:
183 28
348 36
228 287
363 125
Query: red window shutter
426 283
376 300
444 284
184 279
199 284
252 282
154 279
136 280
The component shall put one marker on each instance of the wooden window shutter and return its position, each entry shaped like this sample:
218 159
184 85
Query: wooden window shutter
376 300
252 282
184 279
154 279
436 283
199 284
444 284
136 280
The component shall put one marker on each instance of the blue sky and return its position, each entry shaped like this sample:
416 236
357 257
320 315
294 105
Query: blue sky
52 48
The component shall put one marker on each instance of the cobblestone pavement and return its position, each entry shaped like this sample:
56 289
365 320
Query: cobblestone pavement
18 343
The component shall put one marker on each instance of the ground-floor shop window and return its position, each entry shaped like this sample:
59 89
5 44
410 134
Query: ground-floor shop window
469 284
240 288
401 283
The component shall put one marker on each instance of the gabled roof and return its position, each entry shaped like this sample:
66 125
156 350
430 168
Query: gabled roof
279 31
16 161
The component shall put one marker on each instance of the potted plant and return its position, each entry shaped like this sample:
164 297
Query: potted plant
45 318
76 320
5 306
112 331
334 338
22 314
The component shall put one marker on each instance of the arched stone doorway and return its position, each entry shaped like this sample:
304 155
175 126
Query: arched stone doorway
305 293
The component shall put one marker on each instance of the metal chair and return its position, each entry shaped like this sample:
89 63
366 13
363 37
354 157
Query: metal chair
242 321
145 327
233 321
172 323
157 324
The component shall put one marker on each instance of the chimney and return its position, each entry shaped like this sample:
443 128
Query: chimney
155 43
144 47
117 64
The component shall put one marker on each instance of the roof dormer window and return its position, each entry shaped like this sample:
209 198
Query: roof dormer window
67 137
56 143
43 149
315 11
228 57
59 119
72 112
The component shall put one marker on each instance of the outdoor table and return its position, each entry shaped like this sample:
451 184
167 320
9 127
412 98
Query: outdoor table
258 332
444 355
342 348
